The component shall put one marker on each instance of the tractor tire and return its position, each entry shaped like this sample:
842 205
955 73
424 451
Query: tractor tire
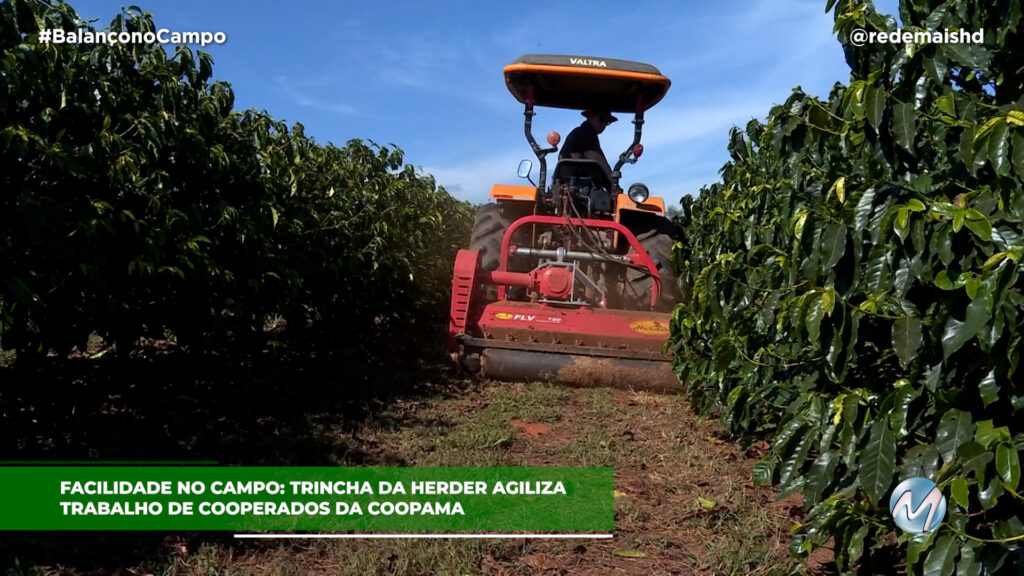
491 222
657 236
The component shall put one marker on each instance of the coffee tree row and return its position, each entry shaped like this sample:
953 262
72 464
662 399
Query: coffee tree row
134 202
857 291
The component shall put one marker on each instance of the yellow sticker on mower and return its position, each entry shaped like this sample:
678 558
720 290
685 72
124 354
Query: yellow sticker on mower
649 327
528 318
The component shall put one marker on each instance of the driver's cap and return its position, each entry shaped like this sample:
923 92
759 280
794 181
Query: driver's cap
603 114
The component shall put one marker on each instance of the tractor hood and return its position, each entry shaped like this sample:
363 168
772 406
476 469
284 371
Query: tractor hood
584 82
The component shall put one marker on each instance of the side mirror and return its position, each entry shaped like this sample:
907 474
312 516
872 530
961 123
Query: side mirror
525 167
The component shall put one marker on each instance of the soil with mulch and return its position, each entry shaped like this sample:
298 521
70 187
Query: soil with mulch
685 503
684 500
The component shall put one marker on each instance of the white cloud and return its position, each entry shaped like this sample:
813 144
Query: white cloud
676 125
309 102
473 179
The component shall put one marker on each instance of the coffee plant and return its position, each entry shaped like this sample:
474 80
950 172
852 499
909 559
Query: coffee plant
856 292
135 202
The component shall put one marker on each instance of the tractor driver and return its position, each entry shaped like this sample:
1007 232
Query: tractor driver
582 142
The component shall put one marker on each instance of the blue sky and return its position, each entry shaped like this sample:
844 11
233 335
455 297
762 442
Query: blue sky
426 76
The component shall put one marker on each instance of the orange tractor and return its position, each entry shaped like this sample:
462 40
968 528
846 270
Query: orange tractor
572 281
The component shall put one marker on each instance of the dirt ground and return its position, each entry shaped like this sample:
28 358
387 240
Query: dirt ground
684 501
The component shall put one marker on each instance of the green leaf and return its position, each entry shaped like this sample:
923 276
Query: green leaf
989 388
998 142
795 460
946 105
904 397
864 208
906 338
877 277
988 434
900 223
851 407
981 227
875 106
994 259
932 377
937 69
956 333
968 564
734 395
828 300
1017 402
1007 529
853 98
958 220
917 545
812 320
840 188
763 470
942 281
788 432
982 134
942 244
855 544
974 457
958 490
971 285
833 245
939 561
1018 152
965 148
920 461
989 497
903 126
878 461
1008 464
820 476
969 55
706 503
937 16
798 223
1015 117
955 428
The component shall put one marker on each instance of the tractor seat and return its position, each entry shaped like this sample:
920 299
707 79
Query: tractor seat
568 168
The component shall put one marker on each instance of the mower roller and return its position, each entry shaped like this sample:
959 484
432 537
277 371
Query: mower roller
570 282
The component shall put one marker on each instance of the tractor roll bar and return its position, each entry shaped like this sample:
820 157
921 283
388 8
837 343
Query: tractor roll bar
540 152
629 156
638 123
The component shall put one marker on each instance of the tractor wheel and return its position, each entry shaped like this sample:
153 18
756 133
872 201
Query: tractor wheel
491 222
657 238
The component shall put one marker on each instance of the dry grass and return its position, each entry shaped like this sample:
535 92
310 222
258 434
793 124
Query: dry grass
684 500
